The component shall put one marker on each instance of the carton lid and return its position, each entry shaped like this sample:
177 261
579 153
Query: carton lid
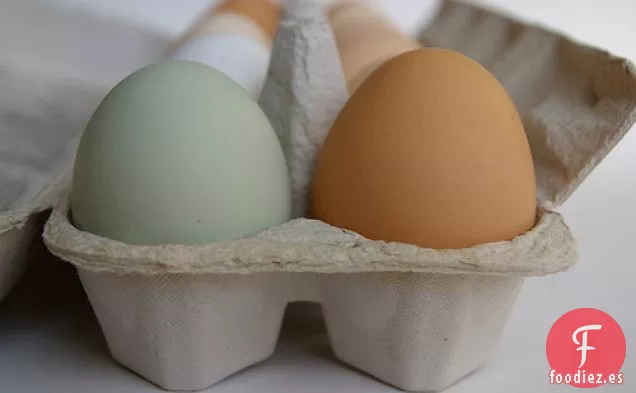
576 102
41 119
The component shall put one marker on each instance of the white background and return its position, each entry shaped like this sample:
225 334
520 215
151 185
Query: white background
61 350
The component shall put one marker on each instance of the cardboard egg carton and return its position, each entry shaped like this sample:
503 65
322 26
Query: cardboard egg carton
186 317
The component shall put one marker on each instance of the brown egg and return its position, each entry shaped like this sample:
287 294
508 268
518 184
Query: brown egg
430 151
263 13
256 18
365 39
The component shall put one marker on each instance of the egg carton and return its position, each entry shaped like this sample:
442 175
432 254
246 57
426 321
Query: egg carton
186 317
40 120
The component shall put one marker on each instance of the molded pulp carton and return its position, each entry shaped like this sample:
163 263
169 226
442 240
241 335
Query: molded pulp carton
186 317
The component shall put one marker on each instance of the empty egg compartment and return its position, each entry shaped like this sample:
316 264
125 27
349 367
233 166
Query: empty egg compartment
185 317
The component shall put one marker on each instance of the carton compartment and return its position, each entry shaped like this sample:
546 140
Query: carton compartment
415 331
187 332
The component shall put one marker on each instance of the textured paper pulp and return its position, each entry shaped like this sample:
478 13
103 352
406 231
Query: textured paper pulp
39 121
388 309
304 92
304 245
414 331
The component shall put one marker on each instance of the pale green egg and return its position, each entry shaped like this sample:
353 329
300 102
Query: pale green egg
178 153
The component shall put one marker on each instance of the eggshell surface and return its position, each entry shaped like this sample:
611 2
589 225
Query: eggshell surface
256 19
365 38
430 150
235 38
179 153
240 57
263 13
